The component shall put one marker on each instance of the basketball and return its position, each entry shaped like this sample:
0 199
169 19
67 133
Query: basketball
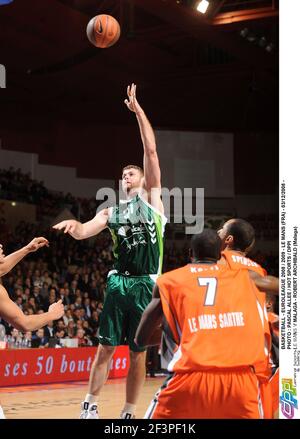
103 31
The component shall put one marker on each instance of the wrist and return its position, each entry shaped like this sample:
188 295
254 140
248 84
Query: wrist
50 315
139 113
26 250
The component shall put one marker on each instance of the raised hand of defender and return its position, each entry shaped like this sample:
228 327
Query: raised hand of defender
68 226
132 102
56 310
37 243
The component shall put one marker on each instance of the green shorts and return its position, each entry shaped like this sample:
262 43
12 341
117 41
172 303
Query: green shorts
125 301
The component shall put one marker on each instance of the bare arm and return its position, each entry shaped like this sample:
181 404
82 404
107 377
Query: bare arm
152 174
83 231
10 312
266 284
149 330
8 262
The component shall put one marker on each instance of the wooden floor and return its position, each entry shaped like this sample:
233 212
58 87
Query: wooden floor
62 401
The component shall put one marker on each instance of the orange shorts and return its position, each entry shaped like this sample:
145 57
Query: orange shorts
275 393
270 396
208 395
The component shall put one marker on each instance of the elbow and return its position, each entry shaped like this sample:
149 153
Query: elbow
22 325
3 271
151 150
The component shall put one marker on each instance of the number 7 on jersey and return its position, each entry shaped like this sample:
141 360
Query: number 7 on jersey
211 284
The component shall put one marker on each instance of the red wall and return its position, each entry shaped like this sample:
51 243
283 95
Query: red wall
37 366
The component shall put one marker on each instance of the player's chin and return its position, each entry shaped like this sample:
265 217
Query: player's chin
126 187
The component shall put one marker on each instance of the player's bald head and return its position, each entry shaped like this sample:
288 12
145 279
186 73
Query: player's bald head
206 245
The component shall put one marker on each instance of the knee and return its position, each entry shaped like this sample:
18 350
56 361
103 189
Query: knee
104 354
137 358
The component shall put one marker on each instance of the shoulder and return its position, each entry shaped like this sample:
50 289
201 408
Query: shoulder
173 276
223 260
102 214
153 198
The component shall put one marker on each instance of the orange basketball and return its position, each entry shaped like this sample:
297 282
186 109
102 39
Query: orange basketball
103 30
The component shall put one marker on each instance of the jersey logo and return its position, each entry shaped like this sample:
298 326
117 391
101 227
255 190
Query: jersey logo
123 230
152 231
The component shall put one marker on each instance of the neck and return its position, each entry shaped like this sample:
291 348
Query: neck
204 261
132 193
236 251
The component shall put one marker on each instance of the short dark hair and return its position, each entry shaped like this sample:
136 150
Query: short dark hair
133 167
206 245
243 234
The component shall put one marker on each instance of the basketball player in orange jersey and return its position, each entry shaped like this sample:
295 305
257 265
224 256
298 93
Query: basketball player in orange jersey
137 228
238 238
213 324
9 311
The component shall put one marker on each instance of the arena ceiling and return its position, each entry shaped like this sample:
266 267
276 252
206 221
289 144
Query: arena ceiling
212 72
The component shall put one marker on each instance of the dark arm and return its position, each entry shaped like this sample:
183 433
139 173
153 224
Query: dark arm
149 330
266 284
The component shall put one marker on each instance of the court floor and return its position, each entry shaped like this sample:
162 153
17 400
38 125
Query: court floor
62 401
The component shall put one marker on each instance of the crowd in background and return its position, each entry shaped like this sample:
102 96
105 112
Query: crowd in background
17 186
71 270
74 271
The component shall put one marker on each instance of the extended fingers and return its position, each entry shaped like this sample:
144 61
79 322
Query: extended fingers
131 90
59 226
67 228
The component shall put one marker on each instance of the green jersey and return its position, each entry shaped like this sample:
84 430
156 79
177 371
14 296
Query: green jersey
137 230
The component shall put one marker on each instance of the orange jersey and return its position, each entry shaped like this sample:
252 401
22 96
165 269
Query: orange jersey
214 316
236 261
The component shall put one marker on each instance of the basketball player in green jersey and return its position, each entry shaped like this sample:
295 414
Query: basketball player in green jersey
137 228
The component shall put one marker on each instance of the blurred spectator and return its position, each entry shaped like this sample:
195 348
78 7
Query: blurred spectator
27 339
67 317
71 329
82 339
49 330
94 321
39 340
87 308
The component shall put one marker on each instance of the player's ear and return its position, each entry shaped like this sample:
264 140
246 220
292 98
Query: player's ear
229 240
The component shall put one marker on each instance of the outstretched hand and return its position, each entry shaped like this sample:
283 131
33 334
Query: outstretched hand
56 310
37 243
68 226
132 102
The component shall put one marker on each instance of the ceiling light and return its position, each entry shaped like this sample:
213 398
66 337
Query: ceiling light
270 47
244 32
202 6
